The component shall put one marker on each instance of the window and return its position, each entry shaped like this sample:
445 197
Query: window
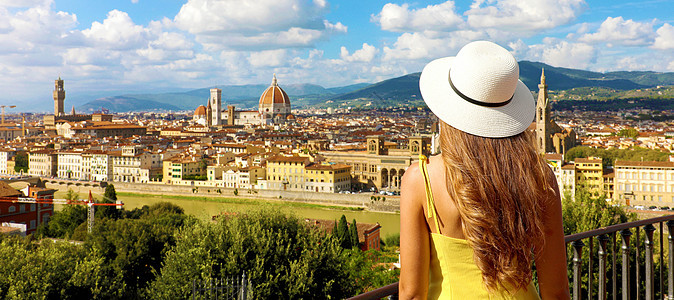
12 209
32 223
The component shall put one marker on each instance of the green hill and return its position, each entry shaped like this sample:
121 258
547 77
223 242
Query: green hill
403 90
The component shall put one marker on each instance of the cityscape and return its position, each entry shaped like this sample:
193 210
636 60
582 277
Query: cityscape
210 149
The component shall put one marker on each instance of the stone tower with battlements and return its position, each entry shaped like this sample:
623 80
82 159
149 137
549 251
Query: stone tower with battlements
59 97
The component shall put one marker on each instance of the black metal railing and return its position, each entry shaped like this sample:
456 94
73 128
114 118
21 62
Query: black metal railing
629 285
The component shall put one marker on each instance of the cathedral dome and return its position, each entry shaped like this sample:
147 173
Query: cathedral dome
200 111
274 94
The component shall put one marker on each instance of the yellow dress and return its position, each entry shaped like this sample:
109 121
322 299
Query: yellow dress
453 272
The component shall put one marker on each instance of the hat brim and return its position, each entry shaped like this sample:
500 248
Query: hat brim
493 122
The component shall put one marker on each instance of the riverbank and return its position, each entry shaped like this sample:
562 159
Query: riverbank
242 200
366 201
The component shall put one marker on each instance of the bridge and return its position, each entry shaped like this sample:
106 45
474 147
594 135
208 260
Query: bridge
19 178
70 182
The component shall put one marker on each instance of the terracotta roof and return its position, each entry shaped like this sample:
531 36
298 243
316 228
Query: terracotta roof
587 160
327 167
7 191
553 156
274 94
658 164
200 111
281 158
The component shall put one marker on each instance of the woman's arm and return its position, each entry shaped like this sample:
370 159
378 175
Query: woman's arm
551 259
414 237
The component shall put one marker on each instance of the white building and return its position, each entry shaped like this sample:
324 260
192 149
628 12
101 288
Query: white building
644 183
5 156
69 165
96 165
42 163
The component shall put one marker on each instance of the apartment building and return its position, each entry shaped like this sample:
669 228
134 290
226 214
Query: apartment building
5 156
286 172
96 165
590 174
644 183
328 178
42 163
69 164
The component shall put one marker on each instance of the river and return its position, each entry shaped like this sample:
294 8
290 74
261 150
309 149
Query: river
204 210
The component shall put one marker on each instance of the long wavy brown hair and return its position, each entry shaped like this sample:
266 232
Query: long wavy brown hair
498 185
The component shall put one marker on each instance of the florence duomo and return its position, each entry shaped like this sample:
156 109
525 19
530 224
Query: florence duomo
273 109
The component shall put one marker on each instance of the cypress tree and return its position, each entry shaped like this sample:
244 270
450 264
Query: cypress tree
343 233
353 232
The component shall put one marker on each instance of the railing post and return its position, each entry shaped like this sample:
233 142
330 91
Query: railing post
603 239
626 234
649 229
670 269
577 260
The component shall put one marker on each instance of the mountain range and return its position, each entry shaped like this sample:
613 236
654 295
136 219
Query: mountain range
395 91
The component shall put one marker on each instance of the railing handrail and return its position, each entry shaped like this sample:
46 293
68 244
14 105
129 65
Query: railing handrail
392 289
378 293
613 228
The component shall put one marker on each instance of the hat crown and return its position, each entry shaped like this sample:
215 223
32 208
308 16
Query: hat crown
485 72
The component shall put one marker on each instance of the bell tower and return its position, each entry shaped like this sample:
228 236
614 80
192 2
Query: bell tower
59 97
216 104
375 144
543 126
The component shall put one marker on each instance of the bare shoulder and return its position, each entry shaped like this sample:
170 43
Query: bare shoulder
412 183
412 174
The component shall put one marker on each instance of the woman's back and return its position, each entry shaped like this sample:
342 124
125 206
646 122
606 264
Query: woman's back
453 272
490 186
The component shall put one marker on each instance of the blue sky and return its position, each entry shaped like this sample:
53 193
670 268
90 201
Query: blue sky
109 47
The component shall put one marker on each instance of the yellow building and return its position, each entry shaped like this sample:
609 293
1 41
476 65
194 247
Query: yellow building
182 168
327 178
590 174
381 166
286 172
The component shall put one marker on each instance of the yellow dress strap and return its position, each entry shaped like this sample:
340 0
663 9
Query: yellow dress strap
430 204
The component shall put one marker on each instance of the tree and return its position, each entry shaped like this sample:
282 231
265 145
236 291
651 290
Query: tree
343 235
282 256
109 196
135 248
53 270
63 223
353 233
71 195
21 162
629 132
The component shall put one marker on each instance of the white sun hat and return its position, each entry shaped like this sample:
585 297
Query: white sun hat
479 91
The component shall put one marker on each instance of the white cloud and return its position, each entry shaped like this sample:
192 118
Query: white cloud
561 53
117 31
400 18
630 64
269 58
25 3
429 45
526 16
365 54
267 24
665 38
617 31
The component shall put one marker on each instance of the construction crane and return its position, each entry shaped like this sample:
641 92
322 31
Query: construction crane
3 111
90 203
